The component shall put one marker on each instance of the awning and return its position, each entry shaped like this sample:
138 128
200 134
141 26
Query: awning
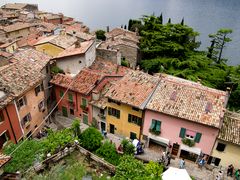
175 173
194 150
159 139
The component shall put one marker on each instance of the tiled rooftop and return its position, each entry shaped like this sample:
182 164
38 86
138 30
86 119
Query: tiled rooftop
83 83
110 43
71 51
4 159
108 68
18 6
62 41
134 89
230 130
17 26
19 77
120 31
81 35
188 100
32 56
5 54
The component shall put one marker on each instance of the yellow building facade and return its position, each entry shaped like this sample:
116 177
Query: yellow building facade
49 49
229 153
118 123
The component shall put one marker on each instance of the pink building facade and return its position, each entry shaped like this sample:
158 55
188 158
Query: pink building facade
170 130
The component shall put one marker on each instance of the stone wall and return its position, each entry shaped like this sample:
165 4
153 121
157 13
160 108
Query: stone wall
109 54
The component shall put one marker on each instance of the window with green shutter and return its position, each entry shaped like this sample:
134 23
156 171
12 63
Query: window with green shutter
182 132
134 119
155 127
84 102
85 119
114 112
197 137
70 97
61 93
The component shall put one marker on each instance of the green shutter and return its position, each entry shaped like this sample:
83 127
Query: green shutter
153 124
182 133
158 126
118 114
109 111
64 111
139 121
197 137
85 119
84 102
70 97
129 117
61 93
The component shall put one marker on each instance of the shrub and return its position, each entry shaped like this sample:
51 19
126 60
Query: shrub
153 169
188 142
91 139
76 128
94 123
108 152
58 140
56 70
128 147
24 156
100 34
124 63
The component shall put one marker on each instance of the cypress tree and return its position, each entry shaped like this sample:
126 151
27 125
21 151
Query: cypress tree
182 22
169 21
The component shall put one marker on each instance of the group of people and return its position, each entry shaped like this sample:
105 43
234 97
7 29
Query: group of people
230 171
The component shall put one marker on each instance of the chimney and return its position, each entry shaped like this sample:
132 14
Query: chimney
77 44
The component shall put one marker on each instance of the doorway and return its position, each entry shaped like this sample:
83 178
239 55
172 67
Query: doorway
112 128
175 149
103 126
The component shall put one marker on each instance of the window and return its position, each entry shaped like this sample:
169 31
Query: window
114 112
61 93
4 137
70 97
84 102
38 89
26 119
133 135
155 126
101 111
134 119
135 109
41 106
221 147
85 119
1 117
113 101
71 111
195 136
22 102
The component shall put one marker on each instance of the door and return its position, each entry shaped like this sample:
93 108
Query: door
64 111
112 128
103 126
175 149
85 119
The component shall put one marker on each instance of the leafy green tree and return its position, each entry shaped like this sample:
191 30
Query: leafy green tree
100 34
218 43
108 152
128 147
91 139
153 169
130 168
24 157
76 128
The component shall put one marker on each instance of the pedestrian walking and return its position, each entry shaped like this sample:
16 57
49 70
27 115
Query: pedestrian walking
182 164
230 170
168 158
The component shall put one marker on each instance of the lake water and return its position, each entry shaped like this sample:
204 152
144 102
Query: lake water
205 16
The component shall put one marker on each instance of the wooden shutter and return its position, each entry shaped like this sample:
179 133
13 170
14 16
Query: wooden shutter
139 121
153 124
129 117
182 132
118 114
109 111
197 137
158 126
84 102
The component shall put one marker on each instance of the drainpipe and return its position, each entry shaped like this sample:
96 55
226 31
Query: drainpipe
11 125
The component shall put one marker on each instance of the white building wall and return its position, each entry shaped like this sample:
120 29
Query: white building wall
91 55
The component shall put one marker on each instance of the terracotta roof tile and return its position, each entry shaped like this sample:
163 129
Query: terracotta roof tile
18 6
120 31
4 159
81 35
230 130
32 56
62 41
83 83
19 77
111 43
17 26
71 51
5 54
188 100
134 89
